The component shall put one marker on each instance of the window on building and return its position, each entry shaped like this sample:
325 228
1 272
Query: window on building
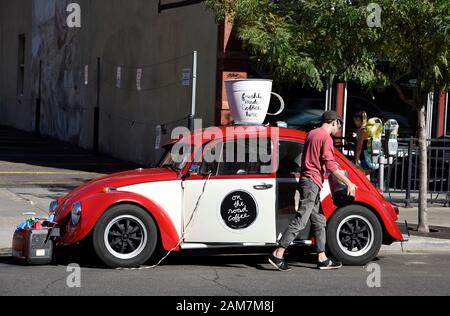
21 65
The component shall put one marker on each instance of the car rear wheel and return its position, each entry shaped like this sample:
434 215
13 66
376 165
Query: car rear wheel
354 235
125 236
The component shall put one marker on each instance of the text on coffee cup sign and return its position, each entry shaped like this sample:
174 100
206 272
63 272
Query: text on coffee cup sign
251 104
251 101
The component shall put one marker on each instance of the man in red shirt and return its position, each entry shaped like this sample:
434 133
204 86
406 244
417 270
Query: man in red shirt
318 158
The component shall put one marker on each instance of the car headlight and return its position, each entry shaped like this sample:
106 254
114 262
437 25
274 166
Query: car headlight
53 207
76 213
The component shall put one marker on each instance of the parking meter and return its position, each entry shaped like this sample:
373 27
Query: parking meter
374 129
391 132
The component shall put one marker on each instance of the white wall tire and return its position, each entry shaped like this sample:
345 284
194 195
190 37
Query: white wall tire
354 235
125 236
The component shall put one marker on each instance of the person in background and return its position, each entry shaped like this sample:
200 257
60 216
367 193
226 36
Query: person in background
362 138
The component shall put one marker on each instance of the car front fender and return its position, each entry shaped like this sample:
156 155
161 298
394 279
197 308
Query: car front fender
95 205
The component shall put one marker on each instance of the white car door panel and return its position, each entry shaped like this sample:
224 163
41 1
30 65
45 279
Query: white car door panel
230 211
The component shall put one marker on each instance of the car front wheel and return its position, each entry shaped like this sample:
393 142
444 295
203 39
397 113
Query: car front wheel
125 236
354 235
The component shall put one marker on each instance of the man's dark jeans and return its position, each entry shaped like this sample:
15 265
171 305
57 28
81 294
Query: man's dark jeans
309 207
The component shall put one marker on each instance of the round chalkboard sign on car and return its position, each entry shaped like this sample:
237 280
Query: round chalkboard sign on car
238 210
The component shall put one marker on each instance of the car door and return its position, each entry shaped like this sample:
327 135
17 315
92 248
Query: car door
236 202
288 175
289 157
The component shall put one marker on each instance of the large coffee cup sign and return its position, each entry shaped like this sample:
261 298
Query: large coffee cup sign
249 100
238 210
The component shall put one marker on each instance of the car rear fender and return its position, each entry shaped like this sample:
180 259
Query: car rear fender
373 203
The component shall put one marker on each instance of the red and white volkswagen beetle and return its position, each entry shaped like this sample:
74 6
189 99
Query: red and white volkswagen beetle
209 191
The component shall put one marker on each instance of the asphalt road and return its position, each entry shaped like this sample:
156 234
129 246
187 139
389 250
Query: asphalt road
230 275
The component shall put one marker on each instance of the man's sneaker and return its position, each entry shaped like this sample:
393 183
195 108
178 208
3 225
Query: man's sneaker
329 264
278 263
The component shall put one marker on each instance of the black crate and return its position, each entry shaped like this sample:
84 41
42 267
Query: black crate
32 246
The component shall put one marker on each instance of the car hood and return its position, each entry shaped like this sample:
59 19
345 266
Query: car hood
115 180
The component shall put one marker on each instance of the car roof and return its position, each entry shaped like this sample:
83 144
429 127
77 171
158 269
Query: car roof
233 131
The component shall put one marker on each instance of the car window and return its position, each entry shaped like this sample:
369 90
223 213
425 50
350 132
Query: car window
239 157
176 156
290 158
210 157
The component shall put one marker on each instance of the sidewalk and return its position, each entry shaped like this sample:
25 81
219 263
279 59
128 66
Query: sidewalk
438 240
437 215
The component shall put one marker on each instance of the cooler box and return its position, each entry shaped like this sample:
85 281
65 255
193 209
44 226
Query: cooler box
32 246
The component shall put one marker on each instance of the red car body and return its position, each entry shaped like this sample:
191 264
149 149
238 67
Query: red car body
99 196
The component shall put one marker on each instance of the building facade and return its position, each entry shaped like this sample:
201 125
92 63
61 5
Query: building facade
124 73
132 60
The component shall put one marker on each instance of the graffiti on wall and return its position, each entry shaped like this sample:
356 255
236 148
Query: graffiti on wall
56 47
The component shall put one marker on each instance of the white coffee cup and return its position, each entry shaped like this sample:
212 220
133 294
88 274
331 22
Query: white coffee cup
249 100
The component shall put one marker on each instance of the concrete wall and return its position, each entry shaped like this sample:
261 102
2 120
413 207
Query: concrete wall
130 33
15 19
136 34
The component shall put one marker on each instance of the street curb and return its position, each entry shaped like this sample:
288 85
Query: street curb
418 244
5 253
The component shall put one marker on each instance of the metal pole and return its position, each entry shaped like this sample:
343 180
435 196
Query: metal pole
328 96
194 91
408 185
37 118
344 112
97 109
382 162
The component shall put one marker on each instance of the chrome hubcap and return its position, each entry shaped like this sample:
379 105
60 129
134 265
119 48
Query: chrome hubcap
125 237
355 235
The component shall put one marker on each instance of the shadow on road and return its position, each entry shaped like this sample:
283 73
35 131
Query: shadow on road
85 257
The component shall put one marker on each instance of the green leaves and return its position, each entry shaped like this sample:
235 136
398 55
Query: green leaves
312 41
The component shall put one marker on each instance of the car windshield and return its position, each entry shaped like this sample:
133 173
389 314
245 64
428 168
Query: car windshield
176 156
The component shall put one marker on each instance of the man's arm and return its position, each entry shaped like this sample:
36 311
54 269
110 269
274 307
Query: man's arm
331 165
351 187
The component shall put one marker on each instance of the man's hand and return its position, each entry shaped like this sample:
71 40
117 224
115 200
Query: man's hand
351 189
